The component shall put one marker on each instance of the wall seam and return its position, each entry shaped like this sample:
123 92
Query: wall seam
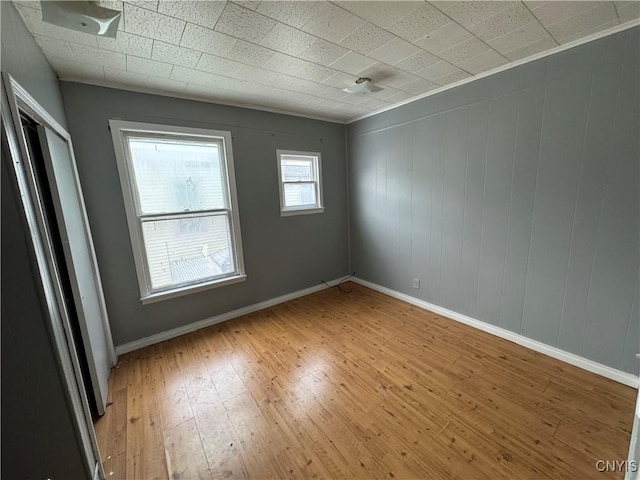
602 198
348 189
484 190
575 207
444 199
464 206
506 240
533 207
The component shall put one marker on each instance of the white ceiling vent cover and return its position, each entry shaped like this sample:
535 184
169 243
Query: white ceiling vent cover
82 16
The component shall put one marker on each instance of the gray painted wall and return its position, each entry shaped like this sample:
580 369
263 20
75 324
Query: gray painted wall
282 254
38 437
22 58
514 199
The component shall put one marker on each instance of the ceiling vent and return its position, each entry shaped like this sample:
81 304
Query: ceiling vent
82 16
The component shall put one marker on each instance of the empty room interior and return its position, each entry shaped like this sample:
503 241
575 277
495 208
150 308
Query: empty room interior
313 239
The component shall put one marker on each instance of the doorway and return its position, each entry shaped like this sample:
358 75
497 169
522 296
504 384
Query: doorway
41 166
51 171
32 140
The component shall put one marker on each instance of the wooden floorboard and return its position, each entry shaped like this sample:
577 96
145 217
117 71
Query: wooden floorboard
356 385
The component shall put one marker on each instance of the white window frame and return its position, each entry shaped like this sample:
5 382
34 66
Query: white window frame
119 131
305 209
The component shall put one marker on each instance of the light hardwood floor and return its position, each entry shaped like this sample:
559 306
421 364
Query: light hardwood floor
356 385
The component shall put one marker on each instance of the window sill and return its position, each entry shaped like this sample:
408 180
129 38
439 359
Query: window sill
302 211
178 292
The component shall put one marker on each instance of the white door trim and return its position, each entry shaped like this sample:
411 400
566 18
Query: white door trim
19 98
64 345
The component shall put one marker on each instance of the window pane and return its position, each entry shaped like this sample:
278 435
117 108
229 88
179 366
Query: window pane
295 169
177 176
186 250
299 194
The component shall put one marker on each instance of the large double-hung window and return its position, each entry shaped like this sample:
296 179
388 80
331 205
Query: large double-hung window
181 204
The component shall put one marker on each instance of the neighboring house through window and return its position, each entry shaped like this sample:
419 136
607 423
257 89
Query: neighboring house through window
300 182
181 204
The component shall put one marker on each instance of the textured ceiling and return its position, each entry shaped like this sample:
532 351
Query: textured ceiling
297 56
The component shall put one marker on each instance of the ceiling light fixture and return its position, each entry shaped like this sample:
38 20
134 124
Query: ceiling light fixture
362 86
82 16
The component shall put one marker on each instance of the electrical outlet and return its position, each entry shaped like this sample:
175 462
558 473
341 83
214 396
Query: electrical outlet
416 283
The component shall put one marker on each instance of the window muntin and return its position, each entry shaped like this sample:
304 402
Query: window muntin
300 182
181 206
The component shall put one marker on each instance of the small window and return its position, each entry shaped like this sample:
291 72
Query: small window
180 199
300 182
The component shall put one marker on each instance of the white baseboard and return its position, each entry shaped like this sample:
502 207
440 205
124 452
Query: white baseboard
207 322
576 360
